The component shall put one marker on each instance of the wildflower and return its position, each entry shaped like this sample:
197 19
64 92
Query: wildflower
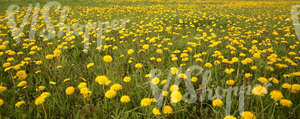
6 64
102 80
229 117
81 85
138 65
89 65
248 115
158 59
217 103
130 51
70 90
253 67
286 85
56 52
274 80
176 96
256 55
2 88
146 102
155 81
174 88
182 76
38 62
49 56
22 83
85 92
259 90
110 94
286 102
107 58
41 99
295 88
229 71
263 80
41 88
159 51
52 83
174 70
147 75
167 109
146 46
116 87
67 79
194 79
126 79
125 99
1 102
165 93
21 75
248 75
155 111
19 103
45 94
230 82
208 65
276 95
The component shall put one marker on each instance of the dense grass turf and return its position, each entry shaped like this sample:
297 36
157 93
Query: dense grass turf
242 43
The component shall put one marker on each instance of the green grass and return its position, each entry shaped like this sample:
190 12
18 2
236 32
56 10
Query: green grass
229 20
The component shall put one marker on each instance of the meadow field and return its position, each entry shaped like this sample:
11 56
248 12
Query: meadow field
142 59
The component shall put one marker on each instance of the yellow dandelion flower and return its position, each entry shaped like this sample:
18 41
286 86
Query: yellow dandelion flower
107 58
146 102
155 81
286 85
125 99
167 109
156 111
229 71
295 88
1 102
130 51
102 80
229 117
138 65
82 85
110 94
21 75
194 79
217 103
22 83
176 97
263 80
276 95
248 115
286 102
70 90
116 87
126 79
2 88
208 65
230 82
89 65
259 90
20 103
